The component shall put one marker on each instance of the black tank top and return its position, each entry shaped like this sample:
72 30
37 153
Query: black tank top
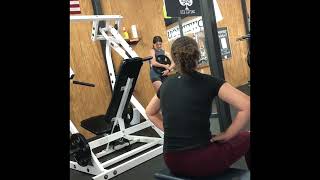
157 52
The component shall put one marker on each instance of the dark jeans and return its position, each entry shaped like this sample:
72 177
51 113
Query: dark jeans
210 160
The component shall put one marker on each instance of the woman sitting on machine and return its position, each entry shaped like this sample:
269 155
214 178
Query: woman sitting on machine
160 64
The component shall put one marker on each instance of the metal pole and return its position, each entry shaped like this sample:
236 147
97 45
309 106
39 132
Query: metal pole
214 57
180 26
245 16
246 19
97 10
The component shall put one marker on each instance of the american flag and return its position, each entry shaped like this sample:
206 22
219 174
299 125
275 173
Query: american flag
75 7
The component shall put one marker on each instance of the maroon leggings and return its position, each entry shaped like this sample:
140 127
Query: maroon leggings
210 160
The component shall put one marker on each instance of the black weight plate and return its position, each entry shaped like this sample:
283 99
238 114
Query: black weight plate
162 59
80 145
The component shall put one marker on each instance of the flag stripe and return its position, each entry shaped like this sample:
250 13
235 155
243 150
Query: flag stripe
75 7
75 12
74 2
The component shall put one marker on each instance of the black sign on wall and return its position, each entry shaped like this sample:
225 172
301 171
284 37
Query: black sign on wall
224 43
182 8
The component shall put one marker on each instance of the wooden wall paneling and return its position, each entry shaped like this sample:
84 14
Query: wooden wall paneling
236 68
148 17
86 60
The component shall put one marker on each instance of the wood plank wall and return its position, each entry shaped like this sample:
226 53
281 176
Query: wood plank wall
148 17
86 58
236 69
248 6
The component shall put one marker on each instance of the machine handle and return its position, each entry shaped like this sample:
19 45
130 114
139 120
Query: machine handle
83 83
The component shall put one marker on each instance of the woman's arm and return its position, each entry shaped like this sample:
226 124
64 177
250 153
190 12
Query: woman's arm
154 62
153 112
170 68
172 63
241 102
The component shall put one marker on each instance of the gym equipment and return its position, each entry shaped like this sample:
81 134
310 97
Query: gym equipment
110 127
71 74
246 37
80 149
126 80
105 125
78 82
230 174
242 38
83 83
162 59
129 114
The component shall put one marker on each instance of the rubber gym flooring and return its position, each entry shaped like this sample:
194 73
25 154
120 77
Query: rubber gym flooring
146 170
